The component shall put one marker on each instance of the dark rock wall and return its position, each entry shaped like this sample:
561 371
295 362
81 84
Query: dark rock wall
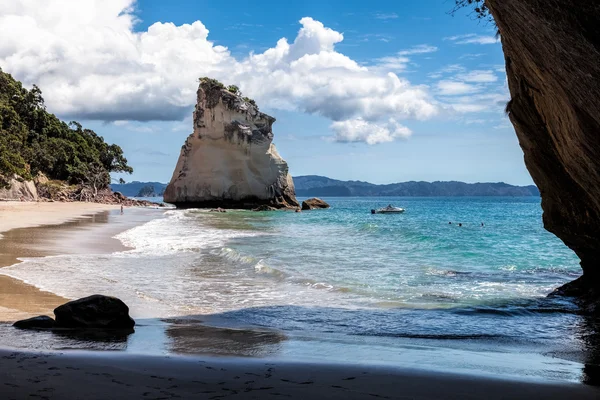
552 51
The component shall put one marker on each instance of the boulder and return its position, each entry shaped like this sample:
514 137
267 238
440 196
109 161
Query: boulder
119 196
552 54
41 322
265 207
19 189
229 160
41 179
95 311
314 203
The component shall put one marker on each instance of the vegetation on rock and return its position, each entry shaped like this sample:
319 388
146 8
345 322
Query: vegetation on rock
480 8
211 84
34 141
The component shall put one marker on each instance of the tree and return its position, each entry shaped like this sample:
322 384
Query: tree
480 9
32 140
234 89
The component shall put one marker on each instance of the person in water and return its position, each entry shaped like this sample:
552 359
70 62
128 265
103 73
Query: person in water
459 224
449 223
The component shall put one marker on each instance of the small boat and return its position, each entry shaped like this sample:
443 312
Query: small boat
388 210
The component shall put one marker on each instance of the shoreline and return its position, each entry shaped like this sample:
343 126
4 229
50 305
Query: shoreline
76 375
17 214
93 234
40 229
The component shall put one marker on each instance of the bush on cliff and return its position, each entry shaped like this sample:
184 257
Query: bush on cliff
33 140
480 8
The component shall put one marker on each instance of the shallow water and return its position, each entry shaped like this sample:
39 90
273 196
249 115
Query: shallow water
342 284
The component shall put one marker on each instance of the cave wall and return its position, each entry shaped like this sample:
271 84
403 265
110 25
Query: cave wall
552 52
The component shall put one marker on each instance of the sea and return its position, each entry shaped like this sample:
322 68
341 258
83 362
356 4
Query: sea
455 284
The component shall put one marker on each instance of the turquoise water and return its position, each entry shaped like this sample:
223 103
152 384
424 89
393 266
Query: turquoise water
343 284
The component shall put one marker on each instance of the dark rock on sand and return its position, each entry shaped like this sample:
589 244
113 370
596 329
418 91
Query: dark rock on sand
41 322
552 53
95 311
314 203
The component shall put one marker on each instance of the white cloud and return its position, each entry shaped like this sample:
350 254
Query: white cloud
385 16
359 130
93 64
453 88
479 76
472 38
400 61
419 49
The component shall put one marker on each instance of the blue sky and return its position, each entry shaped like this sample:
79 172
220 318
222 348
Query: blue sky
129 75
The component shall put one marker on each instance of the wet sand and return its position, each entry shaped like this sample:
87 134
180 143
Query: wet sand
119 375
84 375
16 214
48 229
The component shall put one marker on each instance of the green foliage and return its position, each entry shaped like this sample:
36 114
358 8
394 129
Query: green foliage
32 140
480 9
211 83
233 89
251 101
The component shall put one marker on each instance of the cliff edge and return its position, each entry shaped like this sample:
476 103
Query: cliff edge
229 160
552 52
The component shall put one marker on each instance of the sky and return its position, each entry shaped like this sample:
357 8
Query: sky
380 91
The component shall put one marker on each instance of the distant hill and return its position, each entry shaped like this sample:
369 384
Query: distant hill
140 189
314 185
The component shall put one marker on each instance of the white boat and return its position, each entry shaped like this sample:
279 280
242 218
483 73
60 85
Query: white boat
388 210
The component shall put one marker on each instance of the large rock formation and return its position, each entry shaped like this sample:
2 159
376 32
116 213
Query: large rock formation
229 160
19 189
552 51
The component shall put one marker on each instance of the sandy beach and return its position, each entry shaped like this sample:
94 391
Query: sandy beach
79 375
39 229
74 374
16 214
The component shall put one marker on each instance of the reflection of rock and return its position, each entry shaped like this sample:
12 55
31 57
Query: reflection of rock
264 207
41 322
95 311
229 160
192 338
552 54
314 203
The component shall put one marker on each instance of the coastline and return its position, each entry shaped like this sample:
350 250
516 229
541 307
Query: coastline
134 371
39 229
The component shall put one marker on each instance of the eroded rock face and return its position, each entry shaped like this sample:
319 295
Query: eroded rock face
552 51
229 160
314 203
19 189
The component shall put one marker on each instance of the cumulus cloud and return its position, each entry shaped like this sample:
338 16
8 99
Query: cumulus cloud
472 38
359 130
93 64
